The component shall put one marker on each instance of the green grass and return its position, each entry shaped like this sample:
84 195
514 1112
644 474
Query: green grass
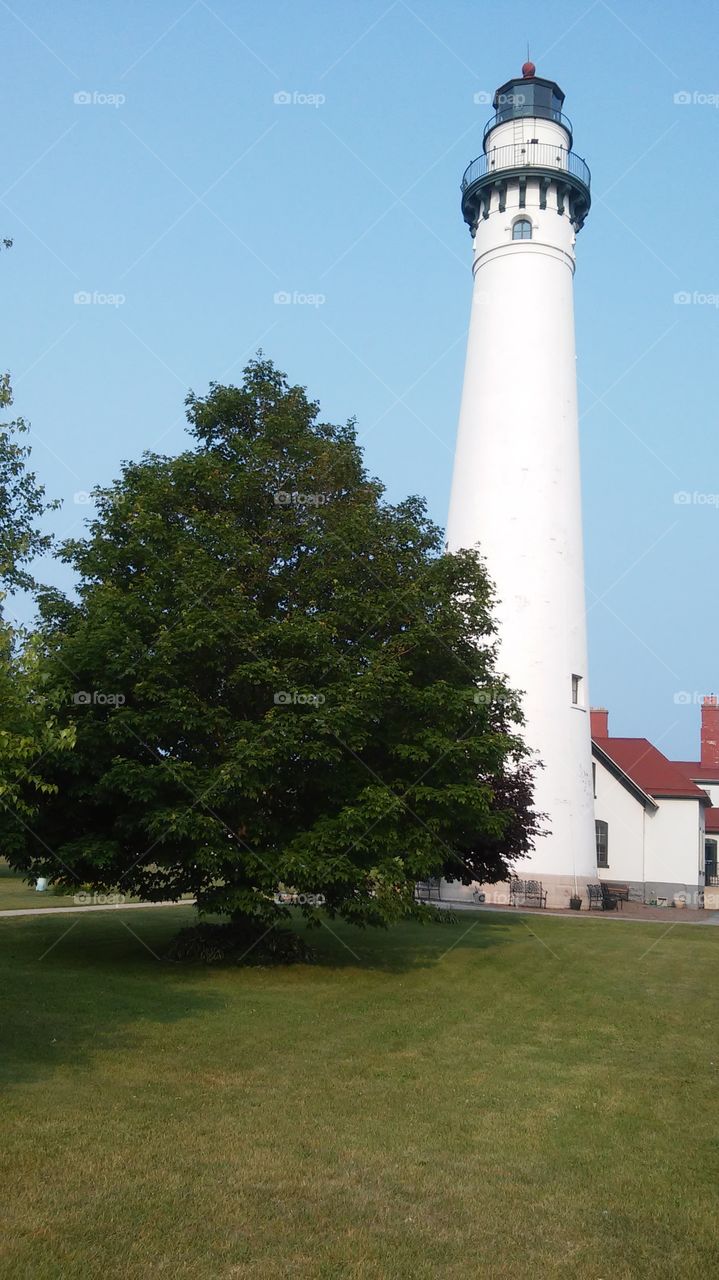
500 1098
16 894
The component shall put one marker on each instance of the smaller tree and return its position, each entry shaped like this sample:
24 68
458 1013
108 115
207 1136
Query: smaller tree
22 504
29 731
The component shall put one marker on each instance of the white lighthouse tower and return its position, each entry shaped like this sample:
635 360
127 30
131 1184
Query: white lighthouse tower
516 486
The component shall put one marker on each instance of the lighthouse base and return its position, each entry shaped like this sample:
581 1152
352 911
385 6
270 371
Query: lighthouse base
558 888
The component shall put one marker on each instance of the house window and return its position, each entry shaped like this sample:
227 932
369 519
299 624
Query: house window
576 691
522 229
602 836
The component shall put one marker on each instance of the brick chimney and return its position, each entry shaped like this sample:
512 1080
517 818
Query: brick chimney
599 721
710 733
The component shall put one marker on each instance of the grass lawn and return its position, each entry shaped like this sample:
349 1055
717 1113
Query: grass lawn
505 1097
16 894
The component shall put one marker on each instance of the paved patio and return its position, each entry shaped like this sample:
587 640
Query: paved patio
635 911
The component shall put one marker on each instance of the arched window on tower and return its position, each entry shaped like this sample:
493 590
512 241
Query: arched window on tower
522 229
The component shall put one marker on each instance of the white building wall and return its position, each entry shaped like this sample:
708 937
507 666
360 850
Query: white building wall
675 844
625 817
662 848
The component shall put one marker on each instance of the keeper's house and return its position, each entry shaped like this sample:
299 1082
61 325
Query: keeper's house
653 816
656 820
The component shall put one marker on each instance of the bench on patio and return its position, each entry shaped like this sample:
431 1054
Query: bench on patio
603 898
618 891
428 890
526 893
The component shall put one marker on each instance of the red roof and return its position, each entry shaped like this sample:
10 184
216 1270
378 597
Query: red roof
695 769
649 769
711 819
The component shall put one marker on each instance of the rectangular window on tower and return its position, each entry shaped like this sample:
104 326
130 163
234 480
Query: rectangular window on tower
577 691
602 834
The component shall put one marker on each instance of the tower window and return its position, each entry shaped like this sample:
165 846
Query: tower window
577 691
602 833
522 229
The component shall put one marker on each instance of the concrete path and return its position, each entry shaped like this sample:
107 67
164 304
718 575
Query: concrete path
671 917
104 906
667 914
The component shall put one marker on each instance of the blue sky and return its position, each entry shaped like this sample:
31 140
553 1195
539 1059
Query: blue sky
183 188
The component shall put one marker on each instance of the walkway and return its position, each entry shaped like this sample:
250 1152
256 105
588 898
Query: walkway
634 912
104 906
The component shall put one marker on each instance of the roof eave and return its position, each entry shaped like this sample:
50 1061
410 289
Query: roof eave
616 770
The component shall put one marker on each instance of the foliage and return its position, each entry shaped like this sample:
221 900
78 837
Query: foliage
29 732
275 677
22 503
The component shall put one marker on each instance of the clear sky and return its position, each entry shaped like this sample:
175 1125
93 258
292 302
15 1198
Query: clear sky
182 197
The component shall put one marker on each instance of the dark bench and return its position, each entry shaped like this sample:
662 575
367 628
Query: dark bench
428 890
526 893
602 897
618 891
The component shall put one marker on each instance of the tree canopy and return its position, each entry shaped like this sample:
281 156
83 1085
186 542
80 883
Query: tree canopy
29 731
276 678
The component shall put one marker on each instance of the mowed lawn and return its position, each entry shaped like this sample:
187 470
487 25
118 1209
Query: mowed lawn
509 1096
16 894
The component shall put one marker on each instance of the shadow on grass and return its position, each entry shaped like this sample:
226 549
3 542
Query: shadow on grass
405 946
73 986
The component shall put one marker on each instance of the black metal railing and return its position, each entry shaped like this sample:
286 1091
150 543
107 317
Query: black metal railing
518 110
711 879
527 155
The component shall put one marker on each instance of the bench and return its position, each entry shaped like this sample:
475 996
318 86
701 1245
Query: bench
618 891
602 897
428 890
526 893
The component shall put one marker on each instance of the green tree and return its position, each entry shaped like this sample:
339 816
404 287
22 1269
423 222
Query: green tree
29 732
276 678
22 504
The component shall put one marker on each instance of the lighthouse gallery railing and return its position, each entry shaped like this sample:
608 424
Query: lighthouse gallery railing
526 155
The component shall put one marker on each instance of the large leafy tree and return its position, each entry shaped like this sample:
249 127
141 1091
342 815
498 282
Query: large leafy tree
276 678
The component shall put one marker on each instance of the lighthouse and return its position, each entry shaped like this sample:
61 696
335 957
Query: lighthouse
516 485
